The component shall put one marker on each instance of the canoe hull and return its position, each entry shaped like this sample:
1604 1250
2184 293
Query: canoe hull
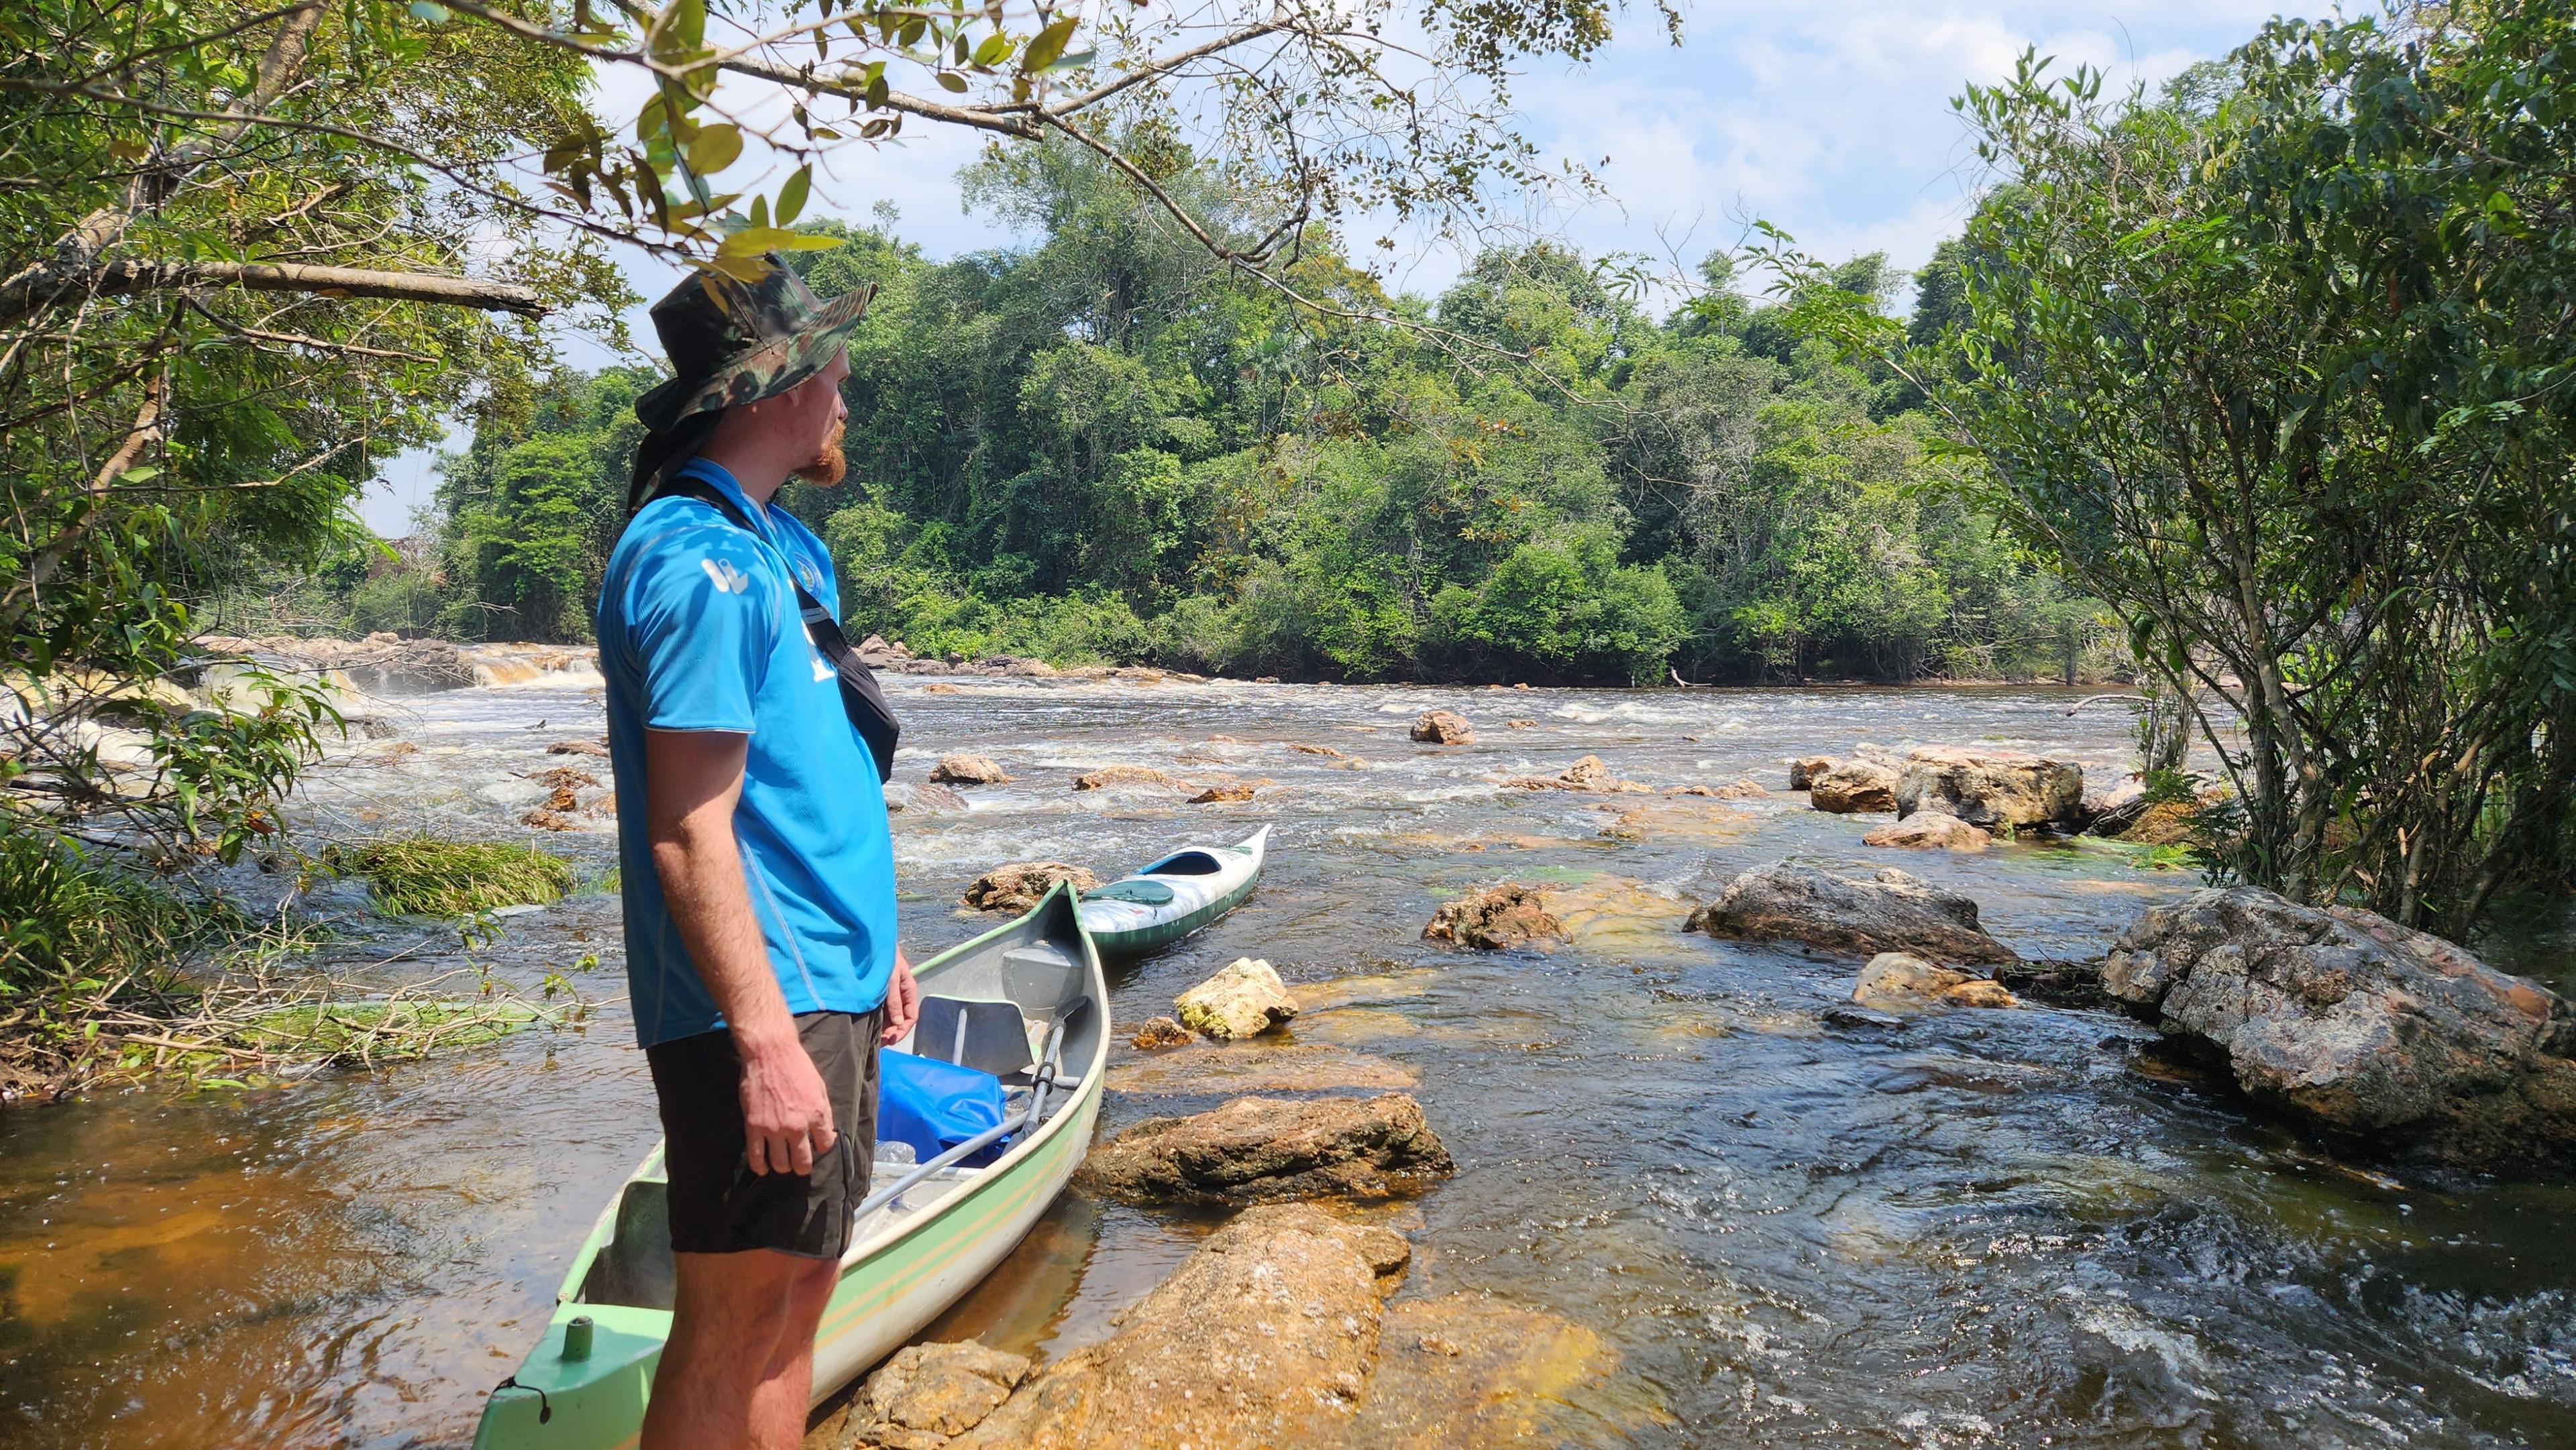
1121 931
891 1287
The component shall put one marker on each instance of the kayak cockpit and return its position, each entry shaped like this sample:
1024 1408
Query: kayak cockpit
1185 863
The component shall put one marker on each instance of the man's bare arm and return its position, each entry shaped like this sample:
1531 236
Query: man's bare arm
691 780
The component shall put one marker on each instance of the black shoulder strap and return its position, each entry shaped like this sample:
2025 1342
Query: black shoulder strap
860 697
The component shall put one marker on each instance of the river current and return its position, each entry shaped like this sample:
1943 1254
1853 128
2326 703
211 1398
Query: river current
1796 1222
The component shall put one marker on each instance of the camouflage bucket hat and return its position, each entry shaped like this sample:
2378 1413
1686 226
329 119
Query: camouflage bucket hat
733 342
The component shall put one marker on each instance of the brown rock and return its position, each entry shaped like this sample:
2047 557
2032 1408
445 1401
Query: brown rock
1852 786
1021 885
1110 776
1159 1032
1222 794
1930 830
578 747
1804 770
2001 790
564 777
1900 980
1326 751
926 1393
1444 727
1267 1150
968 770
1509 915
1893 912
1587 774
1742 788
544 819
939 687
2166 823
1519 724
924 796
1469 1371
1243 1000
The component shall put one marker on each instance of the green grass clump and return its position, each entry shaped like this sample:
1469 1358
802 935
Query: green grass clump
70 921
425 877
384 1031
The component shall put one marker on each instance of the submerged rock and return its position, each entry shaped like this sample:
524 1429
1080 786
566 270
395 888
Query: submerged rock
1265 1150
1444 727
1159 1032
1587 774
1849 787
923 796
926 1393
1893 912
1326 751
1258 1068
1742 788
1118 775
578 747
1021 885
1512 914
1222 794
2357 1025
1930 830
969 770
1900 980
1245 999
2002 790
1275 1333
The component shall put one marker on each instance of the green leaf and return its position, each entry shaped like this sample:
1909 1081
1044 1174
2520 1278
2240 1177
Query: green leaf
760 211
714 148
1042 52
752 241
791 197
950 80
431 11
994 50
1075 61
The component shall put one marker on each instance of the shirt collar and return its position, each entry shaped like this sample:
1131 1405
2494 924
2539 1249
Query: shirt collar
723 481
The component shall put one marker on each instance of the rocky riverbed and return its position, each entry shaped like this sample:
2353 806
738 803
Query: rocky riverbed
1612 1183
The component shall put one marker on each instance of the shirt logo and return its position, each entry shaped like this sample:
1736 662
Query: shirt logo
726 578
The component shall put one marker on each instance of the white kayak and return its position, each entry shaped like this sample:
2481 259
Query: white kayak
1175 896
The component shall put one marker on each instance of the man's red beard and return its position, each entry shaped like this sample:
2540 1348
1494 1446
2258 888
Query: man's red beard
829 466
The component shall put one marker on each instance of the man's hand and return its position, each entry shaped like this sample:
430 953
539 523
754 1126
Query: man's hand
902 1003
786 1116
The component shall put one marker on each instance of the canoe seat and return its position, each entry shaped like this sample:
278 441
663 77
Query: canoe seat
986 1036
635 1268
1044 979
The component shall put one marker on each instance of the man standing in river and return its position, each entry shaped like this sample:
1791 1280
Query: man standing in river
756 867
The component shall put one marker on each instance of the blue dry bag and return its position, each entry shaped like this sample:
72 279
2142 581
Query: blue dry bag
936 1105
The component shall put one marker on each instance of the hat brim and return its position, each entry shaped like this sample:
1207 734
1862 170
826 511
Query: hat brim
761 372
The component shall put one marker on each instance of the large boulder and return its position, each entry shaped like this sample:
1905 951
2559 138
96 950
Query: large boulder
2357 1025
1245 999
1510 915
1900 981
1851 786
925 1394
2000 790
1266 1150
1444 727
1893 912
969 770
1021 885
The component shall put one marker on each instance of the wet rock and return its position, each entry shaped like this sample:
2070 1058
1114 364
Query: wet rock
923 796
2109 812
1258 1068
2001 790
1111 776
1245 999
1804 770
2166 823
578 747
940 687
564 777
2357 1025
1848 787
1519 724
1930 830
1268 1150
927 1393
1222 794
1469 1371
1512 914
1587 774
1898 980
1326 751
1021 885
1160 1032
546 819
1893 912
1444 727
969 770
1742 788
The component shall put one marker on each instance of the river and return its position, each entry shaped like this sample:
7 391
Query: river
1797 1224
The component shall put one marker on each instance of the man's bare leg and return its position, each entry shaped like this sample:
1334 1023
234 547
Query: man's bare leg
740 1360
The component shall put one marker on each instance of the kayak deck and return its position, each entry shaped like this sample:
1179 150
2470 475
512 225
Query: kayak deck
1177 895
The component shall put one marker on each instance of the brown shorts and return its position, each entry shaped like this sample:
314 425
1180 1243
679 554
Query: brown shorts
718 1205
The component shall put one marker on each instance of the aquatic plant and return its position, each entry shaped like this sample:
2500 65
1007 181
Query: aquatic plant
422 876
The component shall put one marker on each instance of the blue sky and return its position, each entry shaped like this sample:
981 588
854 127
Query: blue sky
1830 118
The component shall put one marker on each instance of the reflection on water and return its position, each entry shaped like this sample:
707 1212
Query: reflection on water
1796 1224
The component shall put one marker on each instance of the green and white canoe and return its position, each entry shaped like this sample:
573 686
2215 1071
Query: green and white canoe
1175 896
1011 1001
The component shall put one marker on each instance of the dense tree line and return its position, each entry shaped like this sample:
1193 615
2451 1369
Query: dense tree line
1104 445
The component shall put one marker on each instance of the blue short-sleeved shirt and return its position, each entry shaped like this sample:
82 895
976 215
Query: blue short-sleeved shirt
699 630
